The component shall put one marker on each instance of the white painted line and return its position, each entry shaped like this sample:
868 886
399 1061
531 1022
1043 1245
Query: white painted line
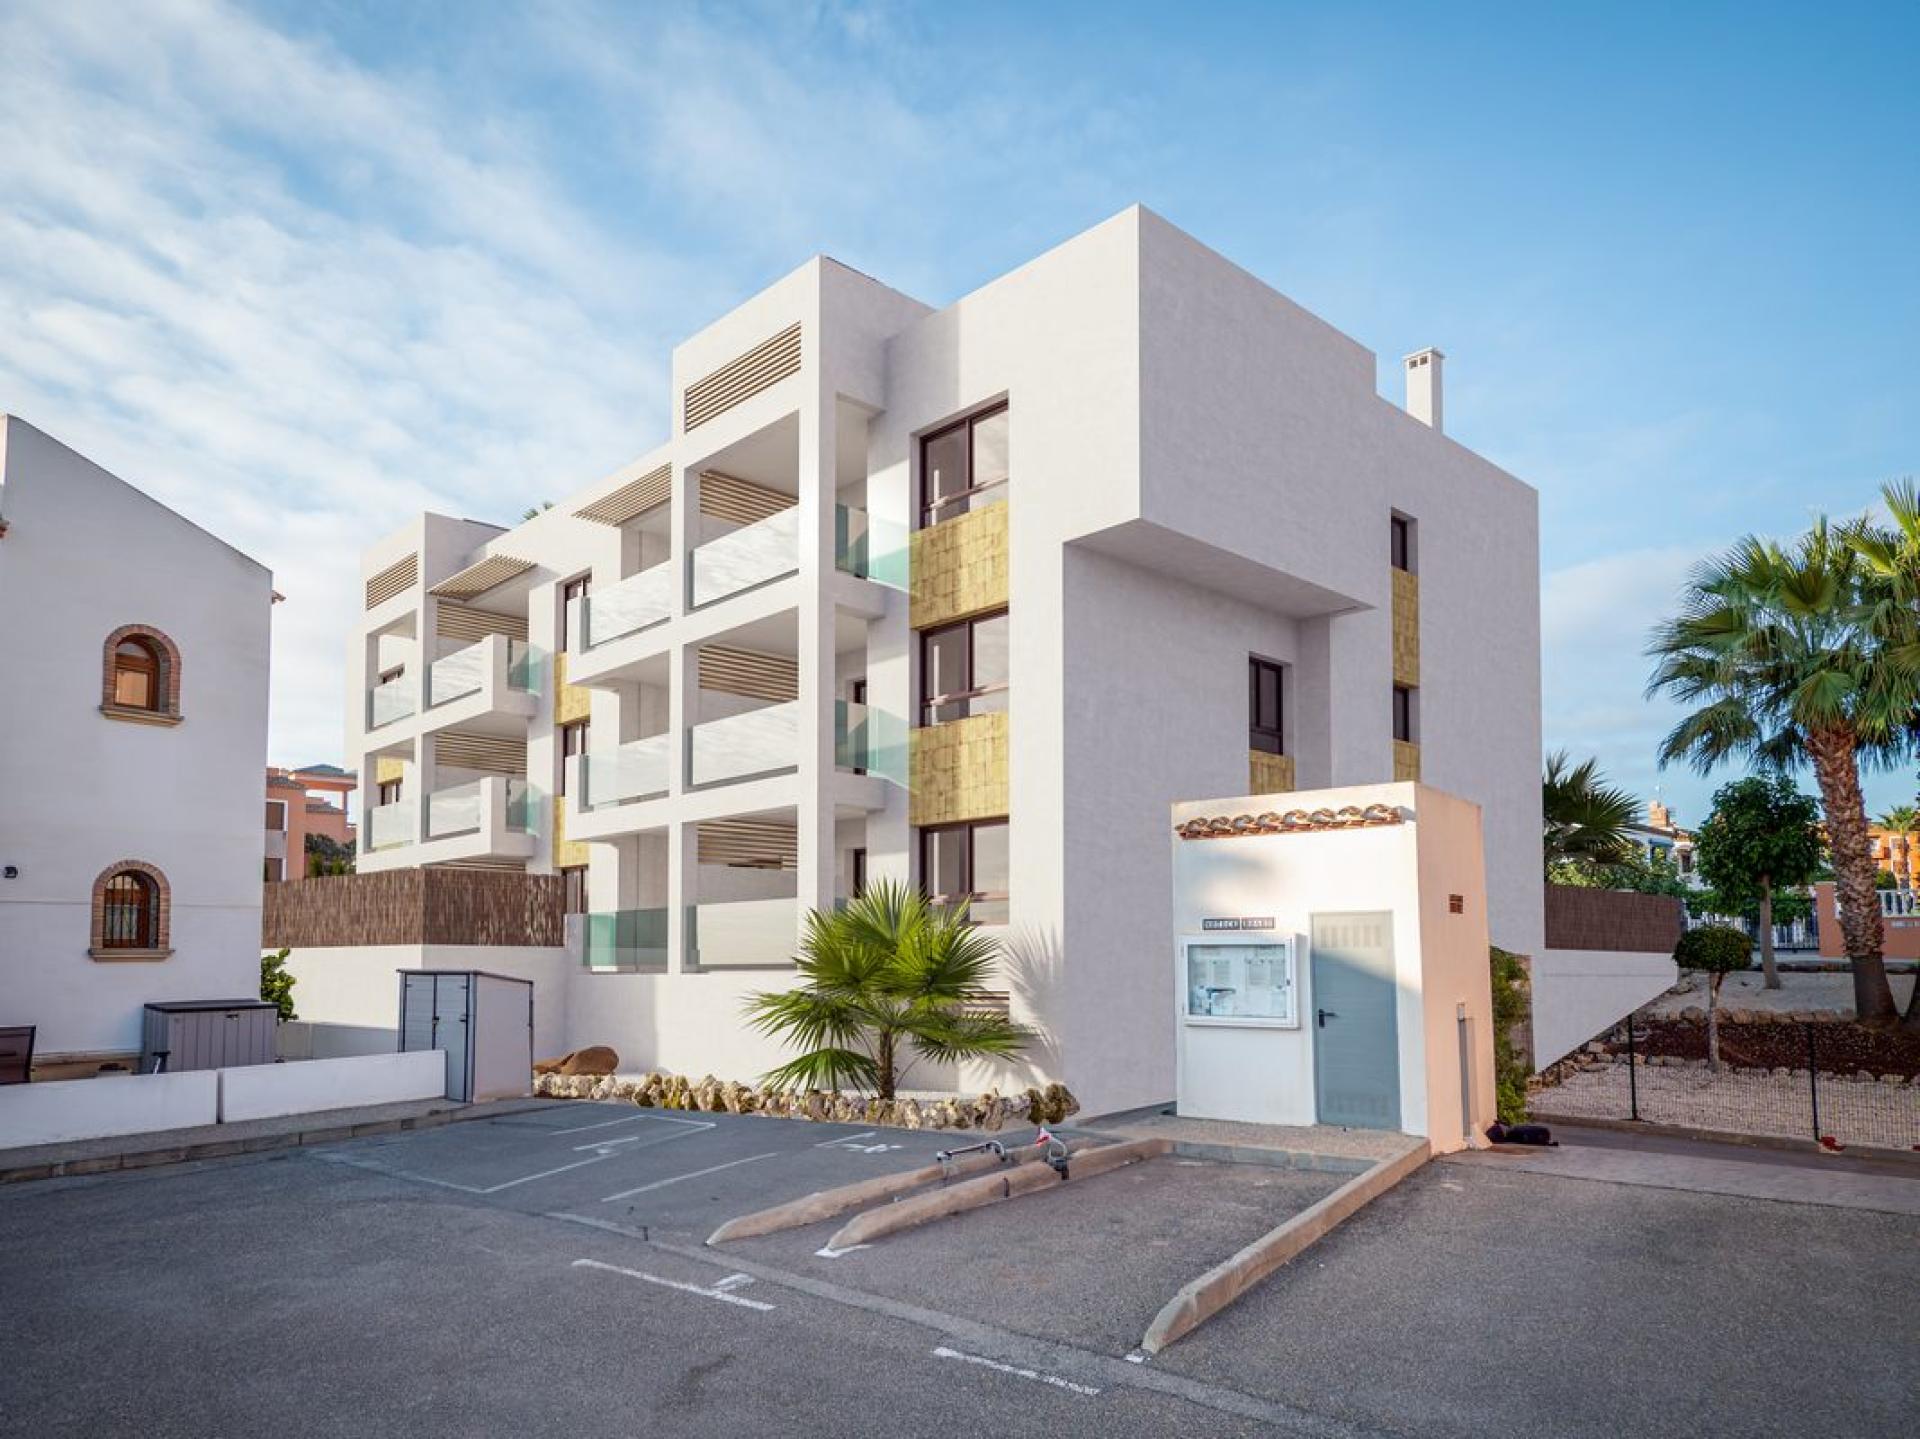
601 1151
836 1253
663 1183
603 1124
705 1293
603 1145
846 1139
1137 1357
734 1281
1086 1391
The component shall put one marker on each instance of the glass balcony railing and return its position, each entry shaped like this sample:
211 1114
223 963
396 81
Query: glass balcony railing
869 741
635 770
758 742
634 604
871 548
390 824
523 806
457 674
627 939
454 811
390 700
523 666
751 555
743 934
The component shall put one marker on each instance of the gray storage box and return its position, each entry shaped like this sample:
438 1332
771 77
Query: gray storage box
483 1021
208 1034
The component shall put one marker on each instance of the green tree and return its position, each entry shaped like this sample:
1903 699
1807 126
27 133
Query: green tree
887 975
1763 836
328 856
1716 950
1773 659
276 985
1586 818
1637 872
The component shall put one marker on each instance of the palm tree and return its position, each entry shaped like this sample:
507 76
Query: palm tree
887 974
1586 818
1899 822
1772 656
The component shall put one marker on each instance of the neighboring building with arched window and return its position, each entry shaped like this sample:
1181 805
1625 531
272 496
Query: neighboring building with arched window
132 741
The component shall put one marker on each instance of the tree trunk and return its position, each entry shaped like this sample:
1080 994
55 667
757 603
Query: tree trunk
884 1081
1837 772
1901 864
1767 967
1713 1020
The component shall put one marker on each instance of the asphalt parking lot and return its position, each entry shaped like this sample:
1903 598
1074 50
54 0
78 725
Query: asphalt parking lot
543 1272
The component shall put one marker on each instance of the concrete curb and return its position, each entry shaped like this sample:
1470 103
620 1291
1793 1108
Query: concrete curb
830 1203
1774 1143
1202 1298
253 1144
989 1189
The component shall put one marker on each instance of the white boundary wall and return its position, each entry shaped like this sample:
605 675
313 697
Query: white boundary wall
1577 993
261 1091
114 1104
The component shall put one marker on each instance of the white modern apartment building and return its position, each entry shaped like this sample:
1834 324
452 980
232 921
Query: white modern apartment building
133 733
968 597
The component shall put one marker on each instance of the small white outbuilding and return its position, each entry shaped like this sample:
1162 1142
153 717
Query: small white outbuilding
1331 961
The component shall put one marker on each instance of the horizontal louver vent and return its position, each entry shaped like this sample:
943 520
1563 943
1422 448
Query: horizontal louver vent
751 673
750 843
630 501
468 625
995 1002
738 501
395 579
765 364
490 754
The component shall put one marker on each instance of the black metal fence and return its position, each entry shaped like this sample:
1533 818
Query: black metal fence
1782 1080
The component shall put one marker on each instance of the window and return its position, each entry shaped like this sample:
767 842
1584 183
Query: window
131 900
136 675
1403 716
277 815
1400 550
574 890
963 669
857 879
388 792
140 676
967 863
1266 696
964 466
573 741
574 589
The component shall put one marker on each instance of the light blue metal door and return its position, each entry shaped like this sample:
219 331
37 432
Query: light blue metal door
1356 1042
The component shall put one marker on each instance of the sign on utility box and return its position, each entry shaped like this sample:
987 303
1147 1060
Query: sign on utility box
1331 961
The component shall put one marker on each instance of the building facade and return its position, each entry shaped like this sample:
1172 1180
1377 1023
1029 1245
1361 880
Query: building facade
965 597
301 802
133 732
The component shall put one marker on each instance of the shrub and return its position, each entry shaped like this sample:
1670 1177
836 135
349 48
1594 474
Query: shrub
1510 1007
1715 950
276 985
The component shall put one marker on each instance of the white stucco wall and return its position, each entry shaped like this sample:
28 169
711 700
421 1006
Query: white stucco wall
1578 993
84 554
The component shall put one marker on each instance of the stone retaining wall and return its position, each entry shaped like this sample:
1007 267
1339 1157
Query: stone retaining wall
988 1111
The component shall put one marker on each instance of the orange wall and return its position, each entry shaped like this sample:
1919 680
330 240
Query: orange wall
1901 932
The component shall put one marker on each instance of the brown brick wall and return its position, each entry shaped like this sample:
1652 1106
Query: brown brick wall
1609 919
169 683
415 906
162 905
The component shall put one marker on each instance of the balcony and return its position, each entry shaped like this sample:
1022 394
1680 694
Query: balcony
871 741
636 603
869 548
745 746
743 934
626 939
490 818
392 699
638 769
489 687
751 556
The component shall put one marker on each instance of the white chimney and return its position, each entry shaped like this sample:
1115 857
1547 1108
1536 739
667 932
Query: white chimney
1423 386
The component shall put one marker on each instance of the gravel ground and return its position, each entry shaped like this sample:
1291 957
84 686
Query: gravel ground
1741 1102
1829 992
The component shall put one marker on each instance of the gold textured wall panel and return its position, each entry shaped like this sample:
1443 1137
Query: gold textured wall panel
570 702
388 768
958 770
1269 773
566 852
1406 760
959 567
1406 628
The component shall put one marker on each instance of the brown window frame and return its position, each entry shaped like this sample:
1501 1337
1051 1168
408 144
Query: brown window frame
388 791
573 888
1400 542
142 930
1406 721
136 655
931 509
568 730
930 703
971 896
579 587
1267 739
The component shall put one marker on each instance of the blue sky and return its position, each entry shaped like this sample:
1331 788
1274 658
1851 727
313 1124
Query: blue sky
301 269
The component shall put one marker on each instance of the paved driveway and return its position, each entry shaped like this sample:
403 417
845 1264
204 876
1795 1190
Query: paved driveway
542 1273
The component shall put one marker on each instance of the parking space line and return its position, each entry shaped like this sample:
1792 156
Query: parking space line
663 1183
1085 1391
602 1124
642 1140
602 1151
846 1139
724 1296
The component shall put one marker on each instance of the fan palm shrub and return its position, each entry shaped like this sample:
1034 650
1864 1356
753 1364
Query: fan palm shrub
1586 818
1899 824
884 982
1774 656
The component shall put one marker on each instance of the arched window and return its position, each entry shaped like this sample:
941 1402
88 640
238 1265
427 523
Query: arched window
136 674
128 918
140 676
131 900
